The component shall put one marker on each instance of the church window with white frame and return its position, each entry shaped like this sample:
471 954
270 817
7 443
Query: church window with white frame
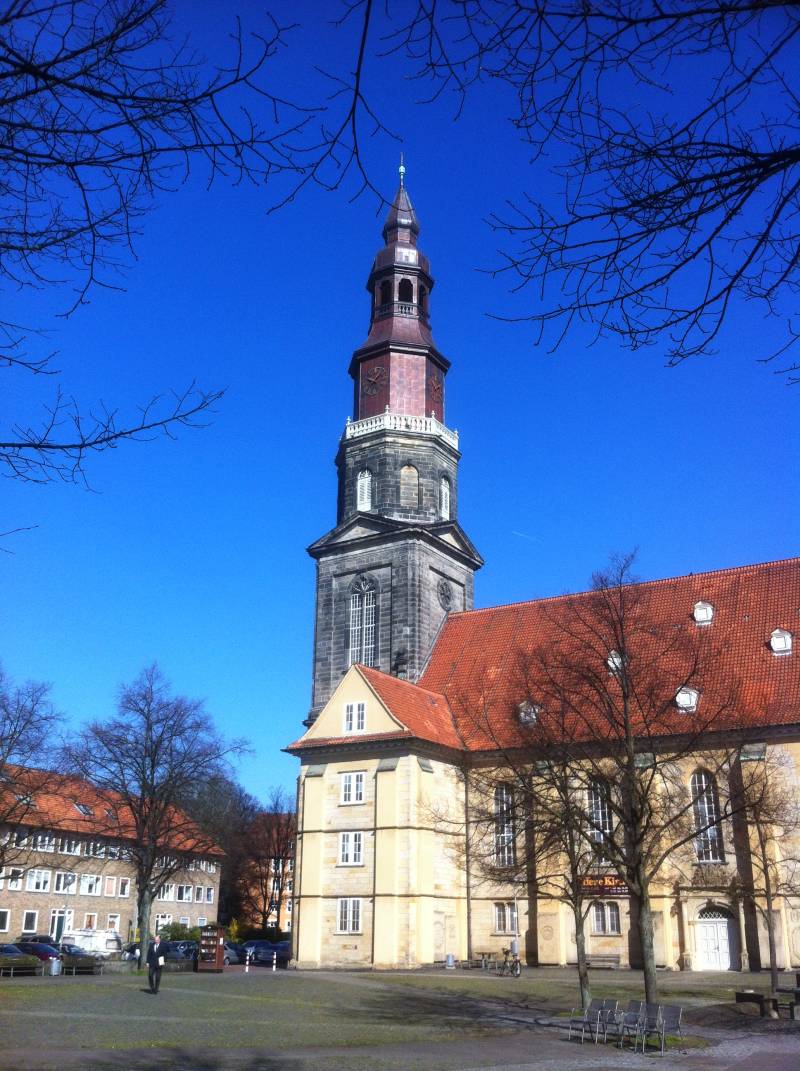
705 805
364 491
355 715
348 915
601 820
504 846
351 845
363 614
352 787
444 498
505 917
605 918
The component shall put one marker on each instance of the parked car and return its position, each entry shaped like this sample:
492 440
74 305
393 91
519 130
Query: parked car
11 950
250 948
233 953
74 950
189 948
266 951
130 951
11 955
39 949
172 951
98 942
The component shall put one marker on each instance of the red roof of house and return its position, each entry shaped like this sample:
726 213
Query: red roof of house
56 805
485 662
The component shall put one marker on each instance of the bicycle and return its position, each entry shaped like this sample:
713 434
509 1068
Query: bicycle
510 966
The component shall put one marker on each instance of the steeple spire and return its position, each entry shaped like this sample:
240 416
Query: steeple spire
402 171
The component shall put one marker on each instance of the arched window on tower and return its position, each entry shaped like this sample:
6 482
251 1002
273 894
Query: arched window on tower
362 624
705 804
405 292
444 498
385 292
409 487
364 491
423 301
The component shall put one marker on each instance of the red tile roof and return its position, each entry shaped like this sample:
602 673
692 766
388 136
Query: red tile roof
469 694
54 797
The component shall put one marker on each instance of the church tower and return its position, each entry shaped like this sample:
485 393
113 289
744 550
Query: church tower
397 561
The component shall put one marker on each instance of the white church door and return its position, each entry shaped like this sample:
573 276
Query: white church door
716 941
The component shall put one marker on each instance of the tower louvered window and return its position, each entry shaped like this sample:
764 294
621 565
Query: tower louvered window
363 620
504 846
364 492
708 842
444 499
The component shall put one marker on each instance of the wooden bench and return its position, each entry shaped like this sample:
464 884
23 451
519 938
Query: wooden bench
608 960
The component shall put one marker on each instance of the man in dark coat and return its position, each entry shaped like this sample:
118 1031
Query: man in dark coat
155 961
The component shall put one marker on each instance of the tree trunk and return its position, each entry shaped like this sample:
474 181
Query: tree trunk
145 907
580 945
770 920
645 923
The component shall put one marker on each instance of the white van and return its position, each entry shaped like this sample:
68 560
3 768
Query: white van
98 942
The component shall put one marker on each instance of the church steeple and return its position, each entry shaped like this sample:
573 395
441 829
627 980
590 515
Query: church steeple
399 365
397 560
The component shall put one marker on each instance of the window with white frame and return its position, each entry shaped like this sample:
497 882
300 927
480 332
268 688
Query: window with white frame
703 613
348 915
361 633
70 846
505 917
166 891
90 920
202 920
705 805
15 880
601 820
84 809
110 885
96 848
185 894
605 918
364 493
163 920
5 920
780 641
352 787
124 887
38 881
211 867
113 922
184 920
350 849
66 883
209 894
44 842
289 907
504 847
686 699
90 884
199 893
57 915
355 715
30 921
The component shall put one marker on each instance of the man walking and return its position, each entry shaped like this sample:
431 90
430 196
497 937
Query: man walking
155 961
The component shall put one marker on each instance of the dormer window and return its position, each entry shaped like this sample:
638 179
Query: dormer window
364 491
781 642
528 713
615 662
686 699
703 613
83 809
355 717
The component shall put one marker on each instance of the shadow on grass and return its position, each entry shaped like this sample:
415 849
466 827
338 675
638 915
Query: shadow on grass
173 1059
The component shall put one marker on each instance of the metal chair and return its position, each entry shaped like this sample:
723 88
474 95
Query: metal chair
650 1023
626 1023
671 1023
586 1019
608 1017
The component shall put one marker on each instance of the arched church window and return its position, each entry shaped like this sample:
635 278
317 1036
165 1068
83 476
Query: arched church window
705 804
444 498
405 292
409 487
364 491
386 292
362 626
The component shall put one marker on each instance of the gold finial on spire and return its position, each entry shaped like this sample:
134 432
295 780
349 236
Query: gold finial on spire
402 170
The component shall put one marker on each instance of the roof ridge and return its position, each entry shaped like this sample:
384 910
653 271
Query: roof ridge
401 680
755 566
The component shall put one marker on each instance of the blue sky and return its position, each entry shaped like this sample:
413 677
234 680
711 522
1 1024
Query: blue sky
191 553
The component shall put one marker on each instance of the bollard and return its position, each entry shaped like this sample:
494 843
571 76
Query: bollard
247 961
274 961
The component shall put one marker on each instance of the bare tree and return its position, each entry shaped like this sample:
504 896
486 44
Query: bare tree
100 110
269 859
674 204
767 781
149 760
27 725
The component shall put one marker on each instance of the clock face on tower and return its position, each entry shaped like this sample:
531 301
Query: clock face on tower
374 380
